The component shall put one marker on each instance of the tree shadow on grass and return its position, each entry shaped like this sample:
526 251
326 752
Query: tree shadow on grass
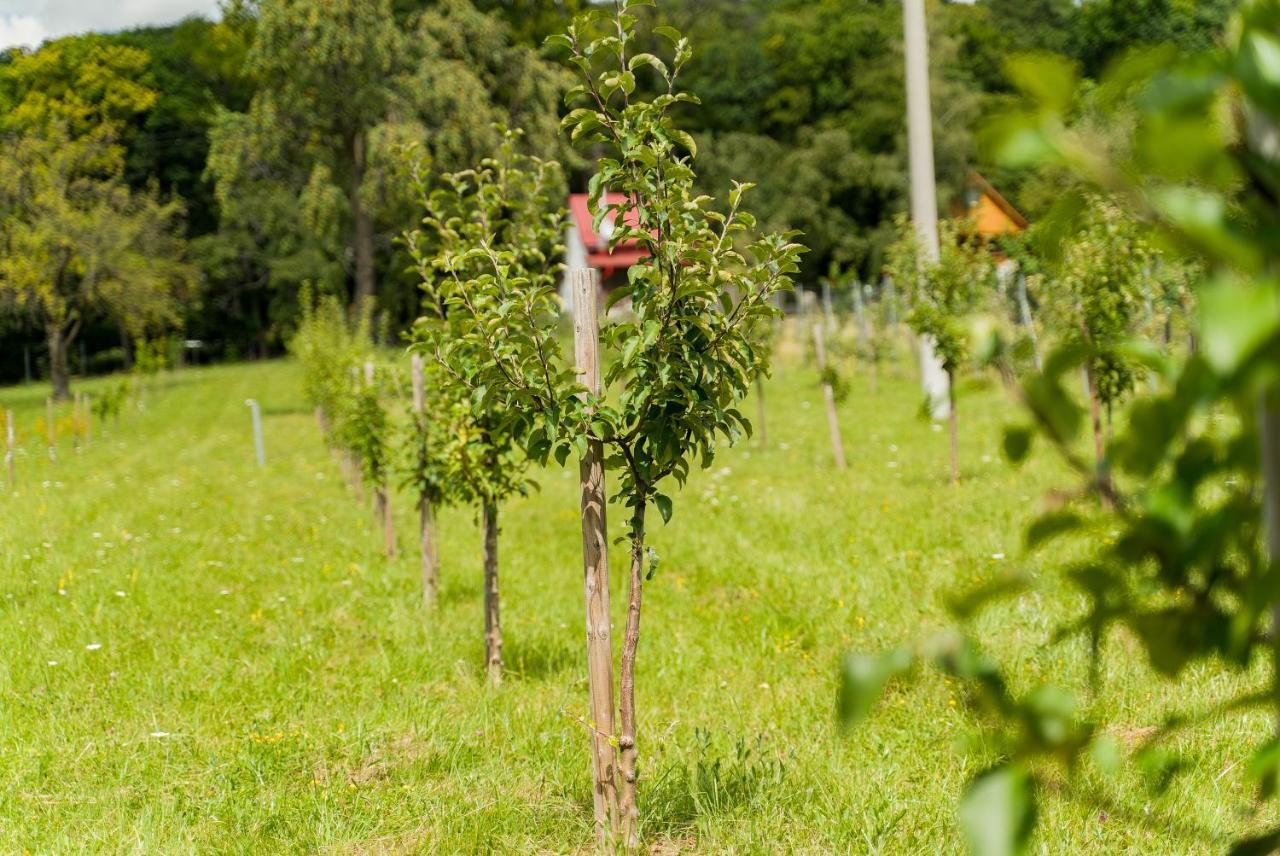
535 659
707 780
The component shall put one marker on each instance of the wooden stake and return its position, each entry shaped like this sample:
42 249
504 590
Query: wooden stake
1024 312
50 429
953 421
259 448
492 616
9 432
595 565
426 514
829 396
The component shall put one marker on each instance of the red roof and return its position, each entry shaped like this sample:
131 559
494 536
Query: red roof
624 254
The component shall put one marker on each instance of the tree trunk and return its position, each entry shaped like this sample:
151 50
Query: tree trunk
761 430
829 398
1099 437
59 374
492 619
382 505
595 569
430 558
1269 436
126 347
627 804
954 423
426 514
363 221
357 475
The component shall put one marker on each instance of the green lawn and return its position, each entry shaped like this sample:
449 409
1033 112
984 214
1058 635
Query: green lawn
201 656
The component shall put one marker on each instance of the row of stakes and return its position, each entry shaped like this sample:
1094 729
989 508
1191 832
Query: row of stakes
81 411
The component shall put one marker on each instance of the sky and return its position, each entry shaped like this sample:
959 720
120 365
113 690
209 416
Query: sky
29 22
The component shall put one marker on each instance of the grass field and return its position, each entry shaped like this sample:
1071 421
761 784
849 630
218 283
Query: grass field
201 656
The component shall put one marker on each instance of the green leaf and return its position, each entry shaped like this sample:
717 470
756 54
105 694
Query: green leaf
998 812
863 679
562 453
669 33
685 139
1017 443
664 506
1048 79
1052 525
968 604
1235 320
1265 767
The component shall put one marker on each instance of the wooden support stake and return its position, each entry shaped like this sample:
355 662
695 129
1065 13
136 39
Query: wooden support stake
492 617
259 447
595 564
829 396
9 437
51 429
426 514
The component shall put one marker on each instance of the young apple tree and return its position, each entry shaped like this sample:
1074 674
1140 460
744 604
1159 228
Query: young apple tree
1097 303
487 255
677 365
946 296
1180 564
424 471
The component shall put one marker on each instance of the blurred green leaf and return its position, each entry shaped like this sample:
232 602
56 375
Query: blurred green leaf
998 812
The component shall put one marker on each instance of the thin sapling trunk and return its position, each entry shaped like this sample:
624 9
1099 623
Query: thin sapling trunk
1269 431
953 421
492 618
430 558
627 753
426 514
829 398
1099 436
382 512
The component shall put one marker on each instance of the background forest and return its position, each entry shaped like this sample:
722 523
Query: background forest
185 181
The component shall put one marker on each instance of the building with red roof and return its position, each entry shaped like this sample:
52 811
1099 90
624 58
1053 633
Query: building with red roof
587 248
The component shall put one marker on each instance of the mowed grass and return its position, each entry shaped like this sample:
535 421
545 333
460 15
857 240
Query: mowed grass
204 656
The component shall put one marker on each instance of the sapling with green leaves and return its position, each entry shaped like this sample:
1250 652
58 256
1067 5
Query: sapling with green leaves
945 298
424 472
1181 562
677 366
1097 301
329 350
487 252
685 359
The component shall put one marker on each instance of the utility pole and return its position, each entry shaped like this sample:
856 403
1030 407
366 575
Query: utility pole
924 191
